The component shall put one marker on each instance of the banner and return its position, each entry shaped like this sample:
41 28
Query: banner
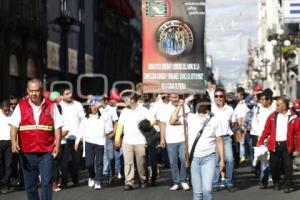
53 55
72 56
291 11
173 45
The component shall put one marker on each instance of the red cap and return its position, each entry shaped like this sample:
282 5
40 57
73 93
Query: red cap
296 105
258 88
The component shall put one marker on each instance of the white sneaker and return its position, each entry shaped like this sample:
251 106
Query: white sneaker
185 186
91 182
119 175
174 187
97 186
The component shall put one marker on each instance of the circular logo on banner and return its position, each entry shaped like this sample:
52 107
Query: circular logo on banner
174 38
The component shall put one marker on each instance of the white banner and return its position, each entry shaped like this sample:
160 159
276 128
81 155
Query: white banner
88 63
53 55
72 54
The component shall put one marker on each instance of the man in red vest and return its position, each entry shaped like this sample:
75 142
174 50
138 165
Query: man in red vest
36 134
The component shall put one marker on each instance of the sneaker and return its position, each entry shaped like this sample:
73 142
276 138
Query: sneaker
231 189
119 175
222 184
185 186
55 187
143 184
242 159
174 187
6 190
97 186
91 182
128 187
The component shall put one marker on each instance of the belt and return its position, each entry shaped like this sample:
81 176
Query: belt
280 142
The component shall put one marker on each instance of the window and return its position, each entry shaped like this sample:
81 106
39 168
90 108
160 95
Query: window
13 65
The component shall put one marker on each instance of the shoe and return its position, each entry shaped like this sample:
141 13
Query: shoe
185 186
110 179
128 187
55 187
91 182
119 175
276 187
6 190
222 185
216 188
143 184
231 189
242 159
97 186
287 189
263 186
175 187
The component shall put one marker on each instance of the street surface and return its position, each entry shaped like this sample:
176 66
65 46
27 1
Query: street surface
245 181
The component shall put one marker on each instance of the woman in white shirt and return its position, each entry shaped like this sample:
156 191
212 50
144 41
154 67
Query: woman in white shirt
203 159
93 129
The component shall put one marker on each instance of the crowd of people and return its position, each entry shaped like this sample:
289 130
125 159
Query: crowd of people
200 137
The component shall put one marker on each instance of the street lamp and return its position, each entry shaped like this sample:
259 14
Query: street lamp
279 40
65 24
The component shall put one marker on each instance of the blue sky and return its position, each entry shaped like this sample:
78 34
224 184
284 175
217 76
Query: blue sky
229 26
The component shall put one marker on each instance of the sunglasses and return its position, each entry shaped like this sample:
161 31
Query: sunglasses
219 96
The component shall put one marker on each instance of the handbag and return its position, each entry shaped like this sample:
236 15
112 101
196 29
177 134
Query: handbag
198 137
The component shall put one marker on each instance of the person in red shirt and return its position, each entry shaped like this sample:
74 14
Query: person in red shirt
281 131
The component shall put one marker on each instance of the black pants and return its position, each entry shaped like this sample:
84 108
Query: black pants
6 157
57 163
70 162
281 157
152 162
94 160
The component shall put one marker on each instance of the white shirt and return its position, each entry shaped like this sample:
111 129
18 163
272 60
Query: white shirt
259 119
94 129
15 119
282 126
207 143
4 127
173 134
111 114
225 115
240 112
130 119
73 113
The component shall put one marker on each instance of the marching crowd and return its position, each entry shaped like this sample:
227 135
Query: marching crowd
201 137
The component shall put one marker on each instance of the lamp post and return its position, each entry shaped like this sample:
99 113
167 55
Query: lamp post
278 40
66 24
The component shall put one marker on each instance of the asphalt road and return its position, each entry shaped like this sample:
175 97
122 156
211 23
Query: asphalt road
246 183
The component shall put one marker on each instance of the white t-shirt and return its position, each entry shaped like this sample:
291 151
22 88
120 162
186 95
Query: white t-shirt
73 113
260 116
111 114
4 127
207 143
173 134
282 126
240 112
225 115
130 119
93 129
15 119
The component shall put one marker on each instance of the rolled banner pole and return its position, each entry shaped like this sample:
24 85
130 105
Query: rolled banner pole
186 141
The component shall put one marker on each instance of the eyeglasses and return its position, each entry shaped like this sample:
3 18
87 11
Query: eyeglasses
219 96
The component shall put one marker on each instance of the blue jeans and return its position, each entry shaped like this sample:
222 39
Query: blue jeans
94 160
229 160
108 157
34 164
202 173
176 150
119 161
264 172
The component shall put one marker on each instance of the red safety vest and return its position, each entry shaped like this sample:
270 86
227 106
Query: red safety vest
40 137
